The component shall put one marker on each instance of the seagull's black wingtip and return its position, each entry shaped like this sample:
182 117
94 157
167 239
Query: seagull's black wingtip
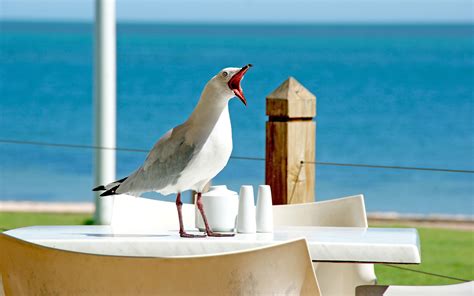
111 191
107 193
99 188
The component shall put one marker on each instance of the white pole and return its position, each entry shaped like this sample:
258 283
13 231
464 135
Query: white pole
105 103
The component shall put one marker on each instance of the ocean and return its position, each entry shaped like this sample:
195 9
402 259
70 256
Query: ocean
396 95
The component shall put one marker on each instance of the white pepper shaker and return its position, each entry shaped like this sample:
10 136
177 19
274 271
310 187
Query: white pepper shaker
264 219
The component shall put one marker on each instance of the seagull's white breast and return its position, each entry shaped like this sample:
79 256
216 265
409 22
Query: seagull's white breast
210 160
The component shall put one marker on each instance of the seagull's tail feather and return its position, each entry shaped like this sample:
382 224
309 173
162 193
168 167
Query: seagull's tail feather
114 185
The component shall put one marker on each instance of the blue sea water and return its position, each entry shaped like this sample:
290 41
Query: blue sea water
390 95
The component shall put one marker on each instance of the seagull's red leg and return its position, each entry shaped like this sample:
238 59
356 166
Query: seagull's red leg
208 229
182 233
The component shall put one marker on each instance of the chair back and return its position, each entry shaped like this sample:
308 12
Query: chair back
30 269
139 215
342 212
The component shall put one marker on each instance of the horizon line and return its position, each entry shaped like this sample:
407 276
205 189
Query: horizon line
245 23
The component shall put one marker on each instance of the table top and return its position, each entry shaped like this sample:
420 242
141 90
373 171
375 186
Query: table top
326 244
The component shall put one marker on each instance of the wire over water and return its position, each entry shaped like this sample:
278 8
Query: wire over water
236 157
374 166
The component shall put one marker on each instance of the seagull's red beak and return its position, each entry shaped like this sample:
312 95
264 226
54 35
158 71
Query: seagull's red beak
234 83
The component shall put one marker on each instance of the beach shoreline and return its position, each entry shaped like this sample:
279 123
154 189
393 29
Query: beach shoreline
447 221
47 207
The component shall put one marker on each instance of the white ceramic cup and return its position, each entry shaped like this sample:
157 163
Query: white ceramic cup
246 217
264 209
220 206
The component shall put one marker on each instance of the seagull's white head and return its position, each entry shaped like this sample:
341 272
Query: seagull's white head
228 82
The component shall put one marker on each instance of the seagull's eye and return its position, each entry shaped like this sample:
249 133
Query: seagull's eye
225 74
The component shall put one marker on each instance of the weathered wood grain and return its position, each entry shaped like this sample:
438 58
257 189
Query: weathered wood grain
291 141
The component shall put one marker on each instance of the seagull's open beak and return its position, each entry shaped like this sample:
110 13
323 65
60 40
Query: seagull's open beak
234 83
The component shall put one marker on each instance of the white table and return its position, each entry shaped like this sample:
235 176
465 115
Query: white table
326 244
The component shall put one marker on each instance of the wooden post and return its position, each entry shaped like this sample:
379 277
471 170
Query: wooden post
291 140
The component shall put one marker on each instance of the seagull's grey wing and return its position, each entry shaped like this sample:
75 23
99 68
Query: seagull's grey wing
163 165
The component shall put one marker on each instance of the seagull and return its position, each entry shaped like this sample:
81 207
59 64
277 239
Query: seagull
188 156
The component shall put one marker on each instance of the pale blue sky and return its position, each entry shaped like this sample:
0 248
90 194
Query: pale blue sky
291 11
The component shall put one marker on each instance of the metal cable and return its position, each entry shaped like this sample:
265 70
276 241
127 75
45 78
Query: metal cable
80 146
373 166
427 273
296 182
248 158
69 145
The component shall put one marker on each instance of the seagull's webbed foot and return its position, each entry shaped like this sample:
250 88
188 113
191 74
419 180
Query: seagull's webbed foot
189 235
218 234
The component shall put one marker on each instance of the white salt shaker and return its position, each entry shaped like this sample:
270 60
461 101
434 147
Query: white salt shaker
246 216
264 209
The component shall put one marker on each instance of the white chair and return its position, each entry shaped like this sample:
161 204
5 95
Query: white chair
463 289
138 215
334 278
30 269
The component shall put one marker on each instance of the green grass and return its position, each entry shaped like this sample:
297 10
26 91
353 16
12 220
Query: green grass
446 252
14 220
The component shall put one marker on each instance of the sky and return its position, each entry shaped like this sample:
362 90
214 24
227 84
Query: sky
249 11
